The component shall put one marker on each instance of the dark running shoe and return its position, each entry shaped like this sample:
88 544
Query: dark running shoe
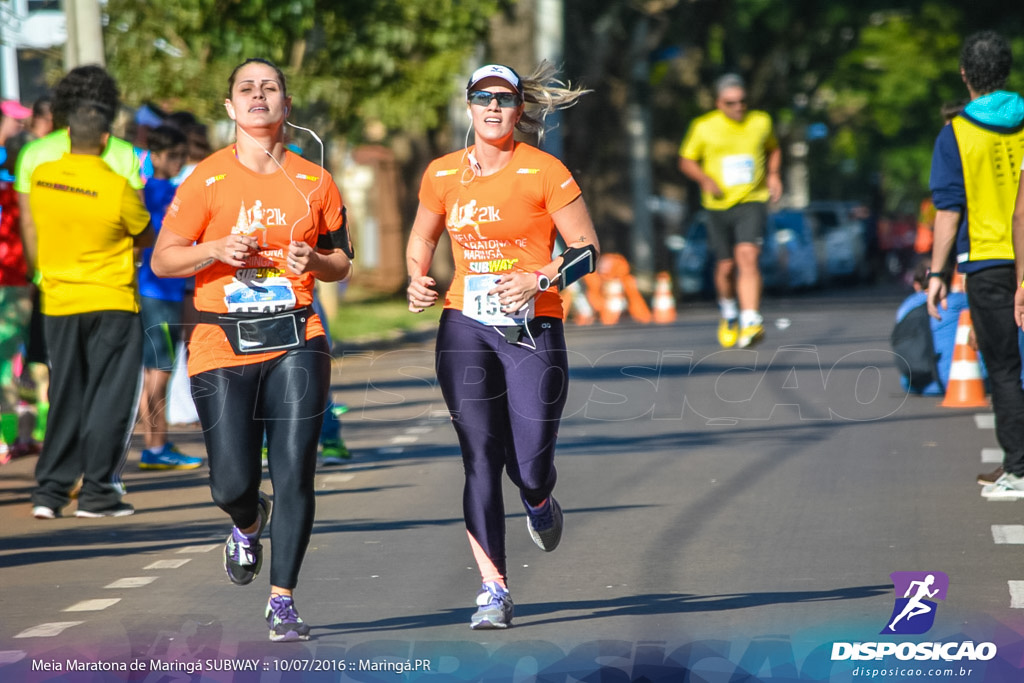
544 524
243 556
121 509
986 478
285 623
494 608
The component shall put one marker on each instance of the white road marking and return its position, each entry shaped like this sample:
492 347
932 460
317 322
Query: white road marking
12 656
167 564
132 582
1016 594
49 630
419 430
985 420
200 548
338 478
992 455
92 605
405 438
1012 534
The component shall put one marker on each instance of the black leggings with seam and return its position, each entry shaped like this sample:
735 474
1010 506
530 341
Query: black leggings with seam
285 396
506 403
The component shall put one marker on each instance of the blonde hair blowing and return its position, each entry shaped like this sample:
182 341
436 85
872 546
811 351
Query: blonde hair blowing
545 94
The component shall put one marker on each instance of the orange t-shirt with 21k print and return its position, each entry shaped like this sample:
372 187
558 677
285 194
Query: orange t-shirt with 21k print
502 222
223 197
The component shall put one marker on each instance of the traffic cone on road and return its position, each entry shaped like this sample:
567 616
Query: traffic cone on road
966 389
614 301
663 304
958 283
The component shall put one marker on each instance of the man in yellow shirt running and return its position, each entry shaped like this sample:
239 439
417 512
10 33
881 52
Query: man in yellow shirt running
734 157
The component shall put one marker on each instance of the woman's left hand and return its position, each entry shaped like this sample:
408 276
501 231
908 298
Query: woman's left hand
515 290
300 257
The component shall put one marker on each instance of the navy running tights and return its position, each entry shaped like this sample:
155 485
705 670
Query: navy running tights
505 402
287 397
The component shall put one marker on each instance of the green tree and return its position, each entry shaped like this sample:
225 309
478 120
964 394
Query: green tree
347 62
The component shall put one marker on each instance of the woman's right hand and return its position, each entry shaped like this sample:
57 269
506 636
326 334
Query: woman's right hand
235 249
420 294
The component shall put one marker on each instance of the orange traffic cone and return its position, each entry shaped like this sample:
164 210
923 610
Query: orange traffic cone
663 304
614 301
958 283
575 300
966 389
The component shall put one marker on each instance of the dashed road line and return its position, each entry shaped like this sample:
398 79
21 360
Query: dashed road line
92 605
132 582
199 548
1009 534
1016 594
167 564
985 420
992 455
48 630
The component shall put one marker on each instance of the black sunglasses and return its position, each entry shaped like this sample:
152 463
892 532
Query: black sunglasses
506 100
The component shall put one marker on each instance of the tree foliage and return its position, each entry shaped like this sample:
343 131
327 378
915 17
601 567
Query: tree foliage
867 78
350 61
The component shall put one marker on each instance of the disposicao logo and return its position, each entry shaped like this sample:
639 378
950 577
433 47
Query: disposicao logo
914 612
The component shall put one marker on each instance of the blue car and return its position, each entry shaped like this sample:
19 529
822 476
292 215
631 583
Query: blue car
788 259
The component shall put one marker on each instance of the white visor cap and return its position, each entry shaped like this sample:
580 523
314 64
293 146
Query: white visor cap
496 71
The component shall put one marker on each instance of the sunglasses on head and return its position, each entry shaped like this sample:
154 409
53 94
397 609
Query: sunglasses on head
506 100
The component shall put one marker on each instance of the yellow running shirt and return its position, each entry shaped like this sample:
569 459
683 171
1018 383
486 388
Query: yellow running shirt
734 154
85 216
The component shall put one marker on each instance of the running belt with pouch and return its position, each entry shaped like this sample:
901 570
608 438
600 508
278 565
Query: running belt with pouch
262 332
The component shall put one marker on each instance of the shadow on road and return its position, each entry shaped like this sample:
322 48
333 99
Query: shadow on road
650 604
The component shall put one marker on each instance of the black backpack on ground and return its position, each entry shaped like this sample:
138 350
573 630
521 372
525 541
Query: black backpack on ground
915 350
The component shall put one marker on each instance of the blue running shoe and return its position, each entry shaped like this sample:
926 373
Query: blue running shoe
544 523
243 555
285 623
494 608
168 458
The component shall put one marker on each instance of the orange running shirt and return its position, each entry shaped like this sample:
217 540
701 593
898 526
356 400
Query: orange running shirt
501 222
222 197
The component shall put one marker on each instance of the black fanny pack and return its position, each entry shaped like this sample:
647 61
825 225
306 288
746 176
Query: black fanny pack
261 332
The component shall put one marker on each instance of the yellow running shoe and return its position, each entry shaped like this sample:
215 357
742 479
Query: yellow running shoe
750 335
728 333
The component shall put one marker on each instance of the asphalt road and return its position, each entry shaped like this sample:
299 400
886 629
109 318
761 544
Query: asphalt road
730 516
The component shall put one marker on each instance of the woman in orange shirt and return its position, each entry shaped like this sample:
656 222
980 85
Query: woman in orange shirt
256 225
502 202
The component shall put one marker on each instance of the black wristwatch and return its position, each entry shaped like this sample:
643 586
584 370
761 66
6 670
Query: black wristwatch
543 281
938 274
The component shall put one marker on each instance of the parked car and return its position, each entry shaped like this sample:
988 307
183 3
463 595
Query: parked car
788 258
693 263
840 236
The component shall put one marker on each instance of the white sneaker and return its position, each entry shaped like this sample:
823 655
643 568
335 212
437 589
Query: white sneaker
1008 486
43 512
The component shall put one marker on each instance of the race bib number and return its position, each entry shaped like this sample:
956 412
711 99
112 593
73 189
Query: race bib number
266 296
737 169
476 304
